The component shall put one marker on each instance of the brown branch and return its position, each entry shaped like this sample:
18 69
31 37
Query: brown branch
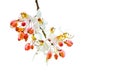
43 32
36 1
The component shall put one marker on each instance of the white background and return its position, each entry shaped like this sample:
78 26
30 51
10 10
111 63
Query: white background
95 24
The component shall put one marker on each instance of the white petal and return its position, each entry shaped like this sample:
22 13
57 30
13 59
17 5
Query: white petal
38 13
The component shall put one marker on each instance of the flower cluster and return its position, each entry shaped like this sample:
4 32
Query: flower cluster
33 31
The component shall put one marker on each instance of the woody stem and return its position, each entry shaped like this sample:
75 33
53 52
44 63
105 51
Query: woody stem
37 5
36 1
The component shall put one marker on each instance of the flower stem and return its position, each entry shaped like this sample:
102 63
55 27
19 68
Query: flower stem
36 1
37 5
43 32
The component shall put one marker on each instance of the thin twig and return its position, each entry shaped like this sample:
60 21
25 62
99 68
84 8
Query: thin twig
43 32
36 1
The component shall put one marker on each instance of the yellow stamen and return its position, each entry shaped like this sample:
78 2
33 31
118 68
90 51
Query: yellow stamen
24 15
52 30
40 21
33 37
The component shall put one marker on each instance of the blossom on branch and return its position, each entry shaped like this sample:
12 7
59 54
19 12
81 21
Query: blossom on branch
32 29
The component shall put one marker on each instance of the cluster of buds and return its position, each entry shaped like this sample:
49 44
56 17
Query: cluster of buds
33 31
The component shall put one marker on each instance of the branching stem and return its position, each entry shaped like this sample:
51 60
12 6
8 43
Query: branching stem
37 5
